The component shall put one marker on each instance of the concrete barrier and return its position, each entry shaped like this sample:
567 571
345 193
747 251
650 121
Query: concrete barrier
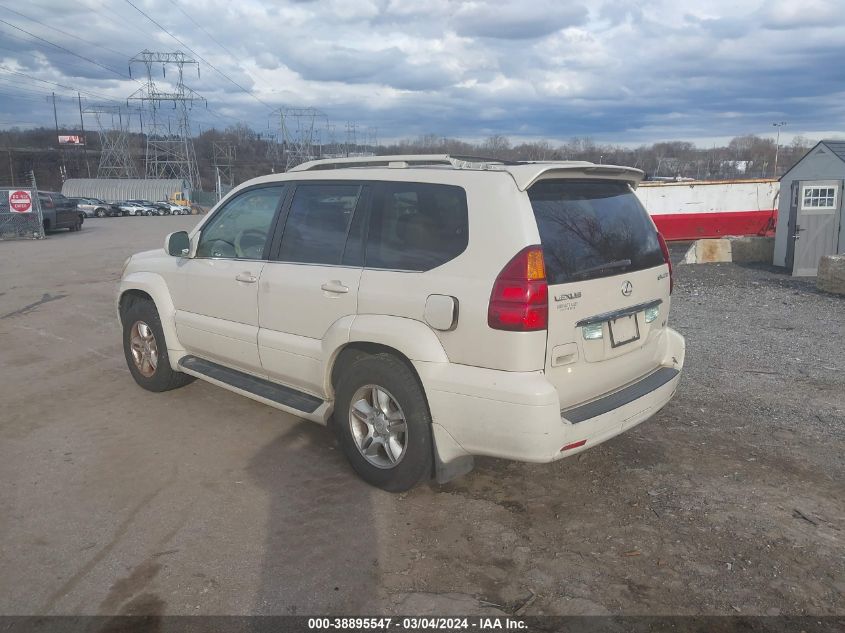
731 249
831 275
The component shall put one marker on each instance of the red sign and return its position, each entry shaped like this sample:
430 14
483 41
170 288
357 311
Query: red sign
20 201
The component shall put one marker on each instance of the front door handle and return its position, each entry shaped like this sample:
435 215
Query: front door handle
247 278
334 286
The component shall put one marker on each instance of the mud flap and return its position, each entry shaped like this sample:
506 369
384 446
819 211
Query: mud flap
450 459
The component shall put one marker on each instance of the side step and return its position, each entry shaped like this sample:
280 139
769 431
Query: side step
263 388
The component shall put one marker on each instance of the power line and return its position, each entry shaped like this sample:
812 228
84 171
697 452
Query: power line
54 83
54 28
220 72
211 37
67 50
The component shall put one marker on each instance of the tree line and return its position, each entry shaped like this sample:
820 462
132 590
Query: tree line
750 156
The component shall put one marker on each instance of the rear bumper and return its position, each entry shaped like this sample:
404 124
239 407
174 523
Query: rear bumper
516 415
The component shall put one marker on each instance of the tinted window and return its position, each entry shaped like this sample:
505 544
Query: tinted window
591 229
240 229
416 226
317 223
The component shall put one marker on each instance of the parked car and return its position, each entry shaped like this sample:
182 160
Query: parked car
96 208
115 210
514 310
134 208
176 209
156 207
59 212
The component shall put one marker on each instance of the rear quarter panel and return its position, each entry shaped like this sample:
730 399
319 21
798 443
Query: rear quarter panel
500 225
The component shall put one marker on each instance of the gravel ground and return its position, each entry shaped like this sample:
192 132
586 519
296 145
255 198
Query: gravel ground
199 501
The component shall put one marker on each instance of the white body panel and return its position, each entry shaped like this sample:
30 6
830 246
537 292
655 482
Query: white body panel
490 392
217 315
296 313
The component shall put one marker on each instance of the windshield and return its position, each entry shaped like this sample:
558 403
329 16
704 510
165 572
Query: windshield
592 228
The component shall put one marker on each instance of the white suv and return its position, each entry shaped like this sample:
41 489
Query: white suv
429 308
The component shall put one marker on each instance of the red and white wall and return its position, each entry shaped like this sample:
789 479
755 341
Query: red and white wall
700 209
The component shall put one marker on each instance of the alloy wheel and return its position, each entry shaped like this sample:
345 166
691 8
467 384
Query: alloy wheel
378 425
144 348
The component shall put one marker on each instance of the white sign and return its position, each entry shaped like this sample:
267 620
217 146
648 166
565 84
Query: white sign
20 202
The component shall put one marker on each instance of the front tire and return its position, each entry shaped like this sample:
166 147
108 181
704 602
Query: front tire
383 424
146 350
100 213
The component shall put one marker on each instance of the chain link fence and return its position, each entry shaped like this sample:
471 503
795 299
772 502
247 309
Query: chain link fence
20 211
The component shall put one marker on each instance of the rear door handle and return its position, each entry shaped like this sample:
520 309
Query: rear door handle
334 286
247 278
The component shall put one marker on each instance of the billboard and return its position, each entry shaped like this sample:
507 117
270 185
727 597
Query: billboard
72 140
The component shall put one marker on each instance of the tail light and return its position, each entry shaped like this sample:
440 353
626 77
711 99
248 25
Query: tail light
666 258
520 298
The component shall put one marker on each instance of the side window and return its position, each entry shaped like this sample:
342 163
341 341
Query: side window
318 222
241 228
417 226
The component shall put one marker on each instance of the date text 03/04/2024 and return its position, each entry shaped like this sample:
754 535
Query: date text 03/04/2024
418 623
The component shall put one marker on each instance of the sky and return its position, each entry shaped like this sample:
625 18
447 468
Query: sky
625 72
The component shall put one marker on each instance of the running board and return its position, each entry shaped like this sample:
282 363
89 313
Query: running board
260 387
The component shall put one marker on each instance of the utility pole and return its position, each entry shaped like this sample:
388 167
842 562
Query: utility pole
84 140
63 168
778 125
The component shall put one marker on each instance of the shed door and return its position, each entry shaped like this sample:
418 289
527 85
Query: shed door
817 229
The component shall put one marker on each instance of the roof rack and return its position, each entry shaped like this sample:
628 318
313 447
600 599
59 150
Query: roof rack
400 161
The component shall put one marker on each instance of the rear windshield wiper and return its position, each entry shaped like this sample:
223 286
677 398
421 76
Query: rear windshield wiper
620 263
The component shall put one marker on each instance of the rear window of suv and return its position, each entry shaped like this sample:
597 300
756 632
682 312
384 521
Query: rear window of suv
591 229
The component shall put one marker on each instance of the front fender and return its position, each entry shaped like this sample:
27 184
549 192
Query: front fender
155 286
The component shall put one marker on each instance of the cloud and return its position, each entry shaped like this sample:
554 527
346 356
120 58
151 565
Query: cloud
516 20
650 69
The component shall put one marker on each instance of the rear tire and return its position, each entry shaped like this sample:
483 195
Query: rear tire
100 213
396 460
146 350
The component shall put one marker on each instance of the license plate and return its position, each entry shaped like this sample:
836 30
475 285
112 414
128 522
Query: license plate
624 330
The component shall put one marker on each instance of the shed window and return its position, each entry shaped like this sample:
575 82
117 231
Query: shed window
819 198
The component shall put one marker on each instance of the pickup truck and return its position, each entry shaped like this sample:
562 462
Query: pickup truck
59 212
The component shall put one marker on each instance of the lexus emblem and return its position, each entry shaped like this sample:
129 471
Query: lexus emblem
627 288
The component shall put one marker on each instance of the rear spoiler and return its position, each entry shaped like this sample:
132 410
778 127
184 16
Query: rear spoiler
528 174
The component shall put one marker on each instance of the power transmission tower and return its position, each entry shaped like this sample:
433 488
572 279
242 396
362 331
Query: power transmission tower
299 135
115 157
372 140
170 153
332 148
223 157
351 138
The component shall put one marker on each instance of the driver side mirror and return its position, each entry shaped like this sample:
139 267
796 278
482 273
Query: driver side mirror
178 244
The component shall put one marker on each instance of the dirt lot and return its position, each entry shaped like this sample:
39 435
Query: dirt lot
198 501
